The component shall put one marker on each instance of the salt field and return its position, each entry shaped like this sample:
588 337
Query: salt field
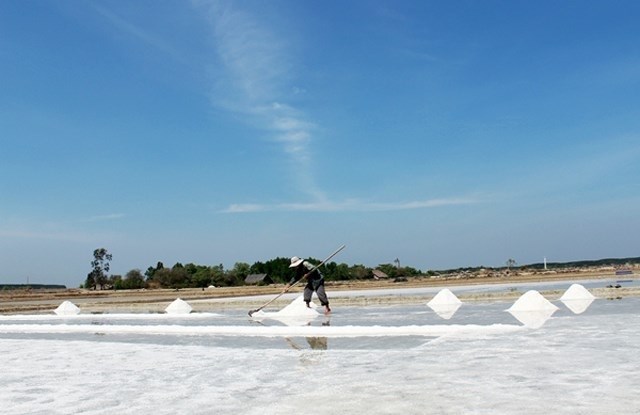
579 356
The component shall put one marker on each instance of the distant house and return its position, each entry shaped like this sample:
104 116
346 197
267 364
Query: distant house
258 279
379 275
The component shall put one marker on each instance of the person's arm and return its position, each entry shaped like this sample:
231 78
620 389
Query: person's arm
299 273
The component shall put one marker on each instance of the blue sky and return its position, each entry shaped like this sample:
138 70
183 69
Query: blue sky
444 134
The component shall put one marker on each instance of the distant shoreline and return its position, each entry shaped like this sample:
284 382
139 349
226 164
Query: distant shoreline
44 301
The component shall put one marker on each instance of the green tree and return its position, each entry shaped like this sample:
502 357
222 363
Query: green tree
360 272
179 277
239 272
277 269
115 282
217 276
191 268
150 272
411 271
336 272
161 278
201 277
133 280
100 267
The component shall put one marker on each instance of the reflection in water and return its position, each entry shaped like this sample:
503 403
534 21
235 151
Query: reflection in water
532 319
578 306
446 311
316 343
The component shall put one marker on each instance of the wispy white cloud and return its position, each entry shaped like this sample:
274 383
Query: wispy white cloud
256 64
255 79
348 206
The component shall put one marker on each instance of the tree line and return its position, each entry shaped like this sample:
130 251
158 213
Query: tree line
201 276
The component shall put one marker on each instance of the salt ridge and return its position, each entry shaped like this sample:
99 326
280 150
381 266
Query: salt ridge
267 331
107 316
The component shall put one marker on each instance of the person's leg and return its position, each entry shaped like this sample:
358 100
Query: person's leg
308 292
322 296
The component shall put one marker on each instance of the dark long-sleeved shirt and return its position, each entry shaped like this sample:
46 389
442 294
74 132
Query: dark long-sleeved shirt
315 279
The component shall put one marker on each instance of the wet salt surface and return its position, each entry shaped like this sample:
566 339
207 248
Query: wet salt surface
399 291
584 363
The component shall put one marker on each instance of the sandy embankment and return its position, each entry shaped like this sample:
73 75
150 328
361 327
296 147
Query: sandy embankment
212 299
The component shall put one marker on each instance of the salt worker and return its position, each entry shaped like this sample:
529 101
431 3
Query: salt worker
315 281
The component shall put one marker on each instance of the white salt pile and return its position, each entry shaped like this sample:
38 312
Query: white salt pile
67 308
577 292
532 300
445 303
298 308
444 297
577 298
295 314
178 307
532 309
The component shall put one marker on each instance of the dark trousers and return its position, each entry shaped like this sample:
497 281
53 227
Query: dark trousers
322 295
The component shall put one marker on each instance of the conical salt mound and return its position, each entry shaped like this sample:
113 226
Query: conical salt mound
178 307
67 308
445 304
577 292
532 309
577 298
444 297
532 300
